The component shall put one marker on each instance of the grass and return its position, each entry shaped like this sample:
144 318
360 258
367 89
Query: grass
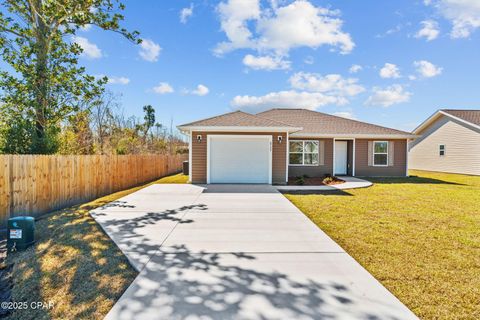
419 236
73 264
177 178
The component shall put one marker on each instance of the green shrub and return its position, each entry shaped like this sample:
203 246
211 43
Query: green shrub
300 181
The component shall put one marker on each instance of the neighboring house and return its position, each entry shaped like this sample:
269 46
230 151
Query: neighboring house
271 146
449 142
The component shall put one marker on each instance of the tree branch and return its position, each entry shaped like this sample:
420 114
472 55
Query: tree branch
9 30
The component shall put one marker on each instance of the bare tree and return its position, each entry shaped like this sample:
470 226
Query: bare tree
103 117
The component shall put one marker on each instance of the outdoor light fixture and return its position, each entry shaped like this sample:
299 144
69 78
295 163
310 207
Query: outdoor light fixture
280 138
199 138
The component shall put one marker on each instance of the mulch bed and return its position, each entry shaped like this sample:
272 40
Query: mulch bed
5 277
314 182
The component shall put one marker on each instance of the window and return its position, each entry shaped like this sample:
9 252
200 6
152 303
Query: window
380 153
303 153
441 149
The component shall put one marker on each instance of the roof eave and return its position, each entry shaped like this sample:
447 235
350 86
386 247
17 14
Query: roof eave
428 121
434 118
459 119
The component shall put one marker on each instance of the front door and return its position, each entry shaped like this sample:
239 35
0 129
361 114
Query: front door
341 148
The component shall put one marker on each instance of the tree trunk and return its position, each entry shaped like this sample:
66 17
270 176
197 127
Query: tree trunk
40 144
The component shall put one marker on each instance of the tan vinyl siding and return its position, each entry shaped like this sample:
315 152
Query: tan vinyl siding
362 167
315 171
199 155
199 158
462 148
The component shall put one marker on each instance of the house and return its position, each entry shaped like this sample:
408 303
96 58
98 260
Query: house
449 142
271 146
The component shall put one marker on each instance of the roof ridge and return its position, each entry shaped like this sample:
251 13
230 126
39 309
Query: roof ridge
272 121
338 117
213 117
280 122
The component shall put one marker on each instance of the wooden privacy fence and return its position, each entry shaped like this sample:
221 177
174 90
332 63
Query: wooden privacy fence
36 184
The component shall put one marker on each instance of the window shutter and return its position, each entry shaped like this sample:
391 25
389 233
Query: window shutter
321 153
391 155
370 153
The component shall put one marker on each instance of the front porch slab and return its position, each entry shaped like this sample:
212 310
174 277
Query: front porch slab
350 183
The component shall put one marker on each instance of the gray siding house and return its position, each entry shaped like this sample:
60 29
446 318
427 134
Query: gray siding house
449 142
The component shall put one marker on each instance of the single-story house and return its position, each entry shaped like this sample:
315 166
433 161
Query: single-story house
271 146
449 141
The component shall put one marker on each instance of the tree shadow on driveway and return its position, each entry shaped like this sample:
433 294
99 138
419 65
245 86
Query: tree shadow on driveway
183 284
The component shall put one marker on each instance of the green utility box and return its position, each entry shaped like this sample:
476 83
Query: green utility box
21 233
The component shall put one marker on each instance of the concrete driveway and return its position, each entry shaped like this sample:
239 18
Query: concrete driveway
235 252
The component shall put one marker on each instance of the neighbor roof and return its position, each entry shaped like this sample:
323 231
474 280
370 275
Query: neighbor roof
322 124
470 117
237 119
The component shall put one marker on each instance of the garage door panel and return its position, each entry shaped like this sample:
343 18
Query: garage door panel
236 159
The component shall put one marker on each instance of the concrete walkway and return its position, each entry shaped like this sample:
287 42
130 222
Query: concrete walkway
350 183
235 252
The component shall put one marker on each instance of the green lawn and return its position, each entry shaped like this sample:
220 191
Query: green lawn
419 236
73 264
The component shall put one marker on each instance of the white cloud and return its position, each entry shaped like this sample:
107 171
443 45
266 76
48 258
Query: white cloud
308 90
309 60
390 70
201 90
427 69
286 99
391 31
118 80
163 88
463 14
331 84
265 62
90 50
388 96
234 15
149 50
355 68
345 114
429 30
186 13
280 28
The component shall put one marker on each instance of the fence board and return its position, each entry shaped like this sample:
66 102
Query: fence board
36 184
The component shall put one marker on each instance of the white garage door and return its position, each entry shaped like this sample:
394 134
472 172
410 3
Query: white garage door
239 159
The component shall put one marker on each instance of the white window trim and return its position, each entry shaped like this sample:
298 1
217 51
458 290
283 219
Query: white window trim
303 154
374 153
444 150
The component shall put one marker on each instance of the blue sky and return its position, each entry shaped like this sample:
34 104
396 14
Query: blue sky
412 57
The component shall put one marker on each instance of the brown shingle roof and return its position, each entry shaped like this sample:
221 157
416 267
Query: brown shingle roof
472 116
321 123
236 119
